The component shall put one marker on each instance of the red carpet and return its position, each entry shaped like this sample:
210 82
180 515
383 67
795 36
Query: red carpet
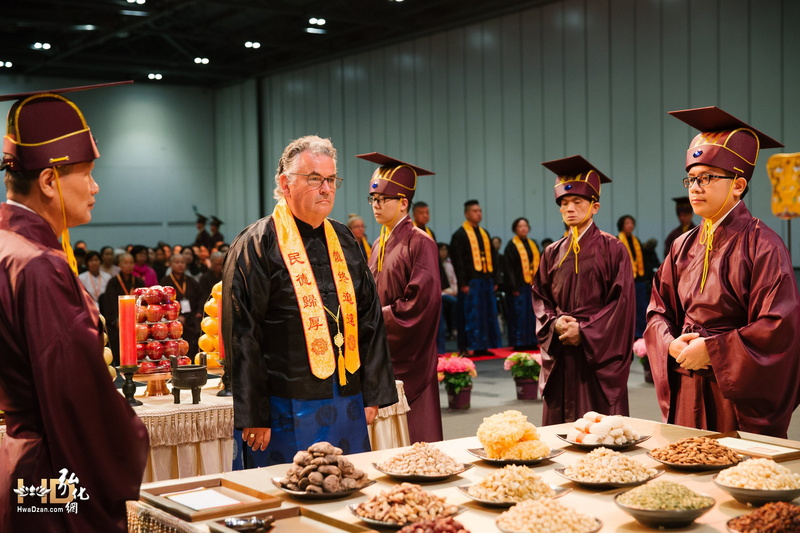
499 353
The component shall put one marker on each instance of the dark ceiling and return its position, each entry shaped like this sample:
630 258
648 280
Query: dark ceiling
115 39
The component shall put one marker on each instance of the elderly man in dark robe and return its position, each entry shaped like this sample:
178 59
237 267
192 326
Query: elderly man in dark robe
68 430
584 302
302 323
723 326
405 265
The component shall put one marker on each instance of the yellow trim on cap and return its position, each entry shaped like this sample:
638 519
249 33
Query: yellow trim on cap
567 179
22 104
712 138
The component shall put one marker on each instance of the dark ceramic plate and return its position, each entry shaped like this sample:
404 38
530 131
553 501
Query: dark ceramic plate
602 484
615 447
481 454
303 495
757 497
422 477
659 518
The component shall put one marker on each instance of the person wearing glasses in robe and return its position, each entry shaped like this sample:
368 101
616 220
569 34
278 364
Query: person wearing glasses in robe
302 323
723 325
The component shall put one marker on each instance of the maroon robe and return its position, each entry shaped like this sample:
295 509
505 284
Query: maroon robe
594 375
410 292
749 313
62 410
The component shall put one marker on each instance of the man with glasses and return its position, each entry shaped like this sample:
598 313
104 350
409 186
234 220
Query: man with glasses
405 264
475 262
724 316
302 323
584 301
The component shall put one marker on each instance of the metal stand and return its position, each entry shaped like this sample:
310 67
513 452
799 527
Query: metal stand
128 388
226 380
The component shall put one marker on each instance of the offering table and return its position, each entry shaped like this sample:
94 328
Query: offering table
479 519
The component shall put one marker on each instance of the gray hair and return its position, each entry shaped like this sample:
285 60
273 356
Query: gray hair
309 143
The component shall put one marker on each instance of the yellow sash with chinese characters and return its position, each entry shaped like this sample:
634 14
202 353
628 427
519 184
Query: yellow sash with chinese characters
528 268
321 356
477 261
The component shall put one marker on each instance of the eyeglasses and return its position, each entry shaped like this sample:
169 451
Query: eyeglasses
703 179
315 180
380 200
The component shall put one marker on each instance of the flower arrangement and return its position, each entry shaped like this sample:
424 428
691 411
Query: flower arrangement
640 350
524 365
455 372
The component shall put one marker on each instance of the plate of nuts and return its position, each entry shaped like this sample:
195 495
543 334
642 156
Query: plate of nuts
557 492
759 481
510 485
481 454
664 504
768 518
546 514
421 462
603 468
403 504
696 453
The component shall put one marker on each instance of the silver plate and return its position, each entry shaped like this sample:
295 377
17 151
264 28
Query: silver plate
604 484
615 447
422 477
559 491
699 467
481 454
390 525
757 497
303 495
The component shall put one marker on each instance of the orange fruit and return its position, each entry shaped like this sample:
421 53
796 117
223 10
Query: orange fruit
216 291
212 360
210 325
211 307
207 343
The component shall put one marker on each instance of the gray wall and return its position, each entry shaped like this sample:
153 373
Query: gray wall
484 105
156 159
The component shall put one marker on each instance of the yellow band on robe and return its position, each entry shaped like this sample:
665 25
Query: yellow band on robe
321 358
65 244
707 237
481 263
367 247
528 268
638 261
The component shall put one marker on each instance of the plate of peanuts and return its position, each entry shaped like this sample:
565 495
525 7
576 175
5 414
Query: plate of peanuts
510 485
759 481
696 453
403 504
421 462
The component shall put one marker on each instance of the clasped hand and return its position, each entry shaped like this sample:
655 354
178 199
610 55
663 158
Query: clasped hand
689 350
568 330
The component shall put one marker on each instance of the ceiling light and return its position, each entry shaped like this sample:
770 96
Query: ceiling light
201 60
131 13
7 64
318 31
140 2
252 44
316 21
41 46
84 27
154 76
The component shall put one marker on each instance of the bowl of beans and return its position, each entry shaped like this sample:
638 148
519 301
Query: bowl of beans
773 517
664 504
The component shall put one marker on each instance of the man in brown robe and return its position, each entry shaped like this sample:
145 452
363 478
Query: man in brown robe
724 316
584 302
66 424
683 209
405 265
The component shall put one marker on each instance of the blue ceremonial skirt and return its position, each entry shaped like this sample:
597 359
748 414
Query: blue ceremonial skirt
297 424
521 320
477 316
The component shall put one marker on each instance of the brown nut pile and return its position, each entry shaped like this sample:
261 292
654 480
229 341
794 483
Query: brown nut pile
422 459
403 504
439 525
512 483
774 516
697 451
323 468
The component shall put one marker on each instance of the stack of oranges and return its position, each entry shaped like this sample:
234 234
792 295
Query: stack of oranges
209 342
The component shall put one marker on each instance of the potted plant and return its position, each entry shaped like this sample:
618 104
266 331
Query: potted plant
525 368
456 373
640 350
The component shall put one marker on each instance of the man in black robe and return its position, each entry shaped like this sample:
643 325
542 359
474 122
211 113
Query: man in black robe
585 305
683 209
66 424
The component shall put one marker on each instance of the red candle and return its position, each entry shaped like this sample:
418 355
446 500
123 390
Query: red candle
127 331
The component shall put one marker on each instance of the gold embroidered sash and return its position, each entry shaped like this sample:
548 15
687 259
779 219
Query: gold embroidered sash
528 268
321 356
638 261
478 261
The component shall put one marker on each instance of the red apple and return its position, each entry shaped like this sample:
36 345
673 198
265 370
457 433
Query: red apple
183 346
171 310
154 350
147 367
169 293
142 332
159 331
139 291
141 313
155 313
163 366
184 360
141 350
171 348
154 295
175 329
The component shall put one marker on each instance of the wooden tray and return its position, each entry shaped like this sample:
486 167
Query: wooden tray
250 499
753 446
292 520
